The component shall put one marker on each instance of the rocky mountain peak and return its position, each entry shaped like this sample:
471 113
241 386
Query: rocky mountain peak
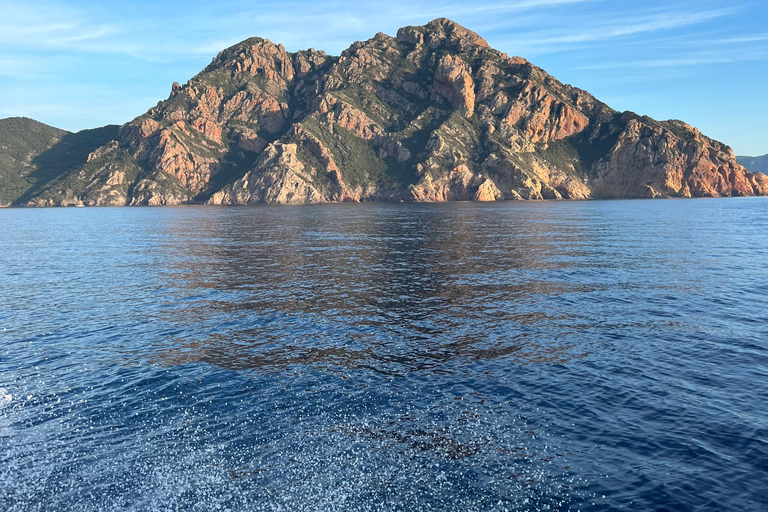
441 32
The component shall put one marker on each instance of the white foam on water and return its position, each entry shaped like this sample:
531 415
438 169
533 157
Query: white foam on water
5 401
5 398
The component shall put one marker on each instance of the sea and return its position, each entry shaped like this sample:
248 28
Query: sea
515 356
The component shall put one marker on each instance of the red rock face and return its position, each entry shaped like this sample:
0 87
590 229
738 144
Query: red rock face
541 116
651 160
453 81
433 114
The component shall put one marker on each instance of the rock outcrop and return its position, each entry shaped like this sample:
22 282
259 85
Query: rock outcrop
433 114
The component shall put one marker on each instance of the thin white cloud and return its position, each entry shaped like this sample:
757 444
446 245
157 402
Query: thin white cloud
691 60
595 29
89 35
743 39
49 26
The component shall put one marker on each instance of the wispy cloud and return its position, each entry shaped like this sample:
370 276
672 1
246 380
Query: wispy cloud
693 60
48 26
654 23
598 28
742 39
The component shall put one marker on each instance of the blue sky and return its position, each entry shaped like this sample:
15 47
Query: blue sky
82 64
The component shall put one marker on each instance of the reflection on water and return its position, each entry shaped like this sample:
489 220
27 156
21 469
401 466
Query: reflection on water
518 356
387 290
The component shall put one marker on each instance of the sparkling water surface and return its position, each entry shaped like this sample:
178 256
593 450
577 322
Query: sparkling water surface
605 355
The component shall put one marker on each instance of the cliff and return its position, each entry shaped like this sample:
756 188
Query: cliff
433 114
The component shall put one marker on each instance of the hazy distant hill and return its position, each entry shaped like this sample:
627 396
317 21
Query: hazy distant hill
32 154
433 114
21 141
754 163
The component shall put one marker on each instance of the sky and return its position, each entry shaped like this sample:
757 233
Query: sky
84 64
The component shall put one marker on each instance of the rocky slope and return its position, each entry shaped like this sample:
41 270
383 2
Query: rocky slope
754 163
433 114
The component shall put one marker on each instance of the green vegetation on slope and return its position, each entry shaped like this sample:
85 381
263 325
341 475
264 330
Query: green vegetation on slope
352 154
22 140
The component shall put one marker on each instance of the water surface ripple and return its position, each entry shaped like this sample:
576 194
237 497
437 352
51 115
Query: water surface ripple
605 355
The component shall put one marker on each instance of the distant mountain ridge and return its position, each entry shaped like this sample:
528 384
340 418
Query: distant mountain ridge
32 154
433 114
754 163
22 140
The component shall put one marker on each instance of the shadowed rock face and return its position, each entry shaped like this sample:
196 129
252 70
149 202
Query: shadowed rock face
433 114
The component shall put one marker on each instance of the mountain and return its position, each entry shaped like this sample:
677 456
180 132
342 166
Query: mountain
754 163
433 114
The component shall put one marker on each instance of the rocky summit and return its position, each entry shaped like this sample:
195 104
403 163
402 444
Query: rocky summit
433 114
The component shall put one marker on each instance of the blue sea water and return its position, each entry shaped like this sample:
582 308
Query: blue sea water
605 355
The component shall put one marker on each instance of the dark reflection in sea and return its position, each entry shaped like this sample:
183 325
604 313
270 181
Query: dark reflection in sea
517 356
